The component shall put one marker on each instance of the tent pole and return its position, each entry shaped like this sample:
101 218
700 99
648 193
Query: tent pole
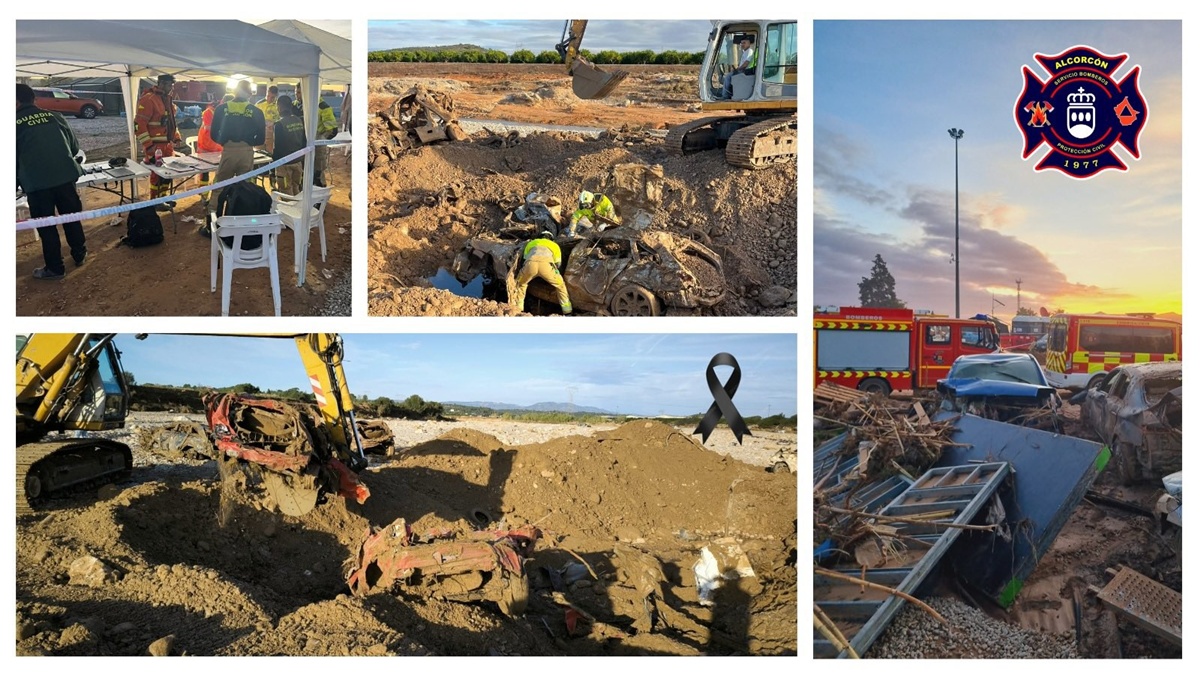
129 93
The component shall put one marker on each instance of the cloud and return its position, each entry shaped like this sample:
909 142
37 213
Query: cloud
990 260
834 160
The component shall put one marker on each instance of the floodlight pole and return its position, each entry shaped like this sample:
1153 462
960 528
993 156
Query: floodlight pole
956 134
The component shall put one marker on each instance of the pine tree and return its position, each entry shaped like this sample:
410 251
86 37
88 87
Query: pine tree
880 289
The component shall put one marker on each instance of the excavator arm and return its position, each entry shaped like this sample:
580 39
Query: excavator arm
74 382
587 81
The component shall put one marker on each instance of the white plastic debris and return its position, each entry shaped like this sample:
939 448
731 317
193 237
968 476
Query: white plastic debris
720 560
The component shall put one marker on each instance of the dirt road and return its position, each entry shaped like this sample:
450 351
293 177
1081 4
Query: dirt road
187 567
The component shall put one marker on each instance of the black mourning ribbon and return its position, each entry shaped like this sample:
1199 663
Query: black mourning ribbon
722 400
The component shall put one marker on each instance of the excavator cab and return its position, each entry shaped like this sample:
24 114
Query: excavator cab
773 56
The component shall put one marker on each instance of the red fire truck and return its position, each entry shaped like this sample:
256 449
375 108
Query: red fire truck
881 350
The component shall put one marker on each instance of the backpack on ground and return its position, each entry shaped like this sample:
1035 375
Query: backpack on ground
143 228
246 198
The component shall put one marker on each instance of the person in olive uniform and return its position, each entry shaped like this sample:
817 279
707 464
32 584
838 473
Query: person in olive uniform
47 171
289 137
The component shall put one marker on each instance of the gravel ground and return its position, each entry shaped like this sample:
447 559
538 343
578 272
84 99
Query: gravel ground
101 132
757 449
916 635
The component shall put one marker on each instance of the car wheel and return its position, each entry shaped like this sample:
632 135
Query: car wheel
1125 458
635 301
88 112
874 385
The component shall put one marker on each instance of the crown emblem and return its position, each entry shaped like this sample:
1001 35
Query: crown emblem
1081 97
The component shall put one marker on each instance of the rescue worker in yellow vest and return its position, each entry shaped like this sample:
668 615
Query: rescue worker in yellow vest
156 130
270 110
746 63
591 206
238 127
327 127
541 258
289 137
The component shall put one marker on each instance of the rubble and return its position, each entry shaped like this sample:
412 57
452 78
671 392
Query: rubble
416 118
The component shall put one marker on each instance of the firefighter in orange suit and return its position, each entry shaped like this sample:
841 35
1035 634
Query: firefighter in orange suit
156 129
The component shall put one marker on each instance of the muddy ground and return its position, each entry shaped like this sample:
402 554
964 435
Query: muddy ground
172 278
216 572
1055 616
749 217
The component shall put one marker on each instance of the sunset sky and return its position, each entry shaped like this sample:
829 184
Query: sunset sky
885 94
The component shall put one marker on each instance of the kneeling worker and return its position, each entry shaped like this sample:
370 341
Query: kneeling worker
596 209
541 259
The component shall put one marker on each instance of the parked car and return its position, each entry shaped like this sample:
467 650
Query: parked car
1001 386
622 272
67 103
1138 411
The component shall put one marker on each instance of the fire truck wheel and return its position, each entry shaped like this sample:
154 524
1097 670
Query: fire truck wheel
1096 380
874 385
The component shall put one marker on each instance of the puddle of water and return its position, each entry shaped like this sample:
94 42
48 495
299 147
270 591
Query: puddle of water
445 281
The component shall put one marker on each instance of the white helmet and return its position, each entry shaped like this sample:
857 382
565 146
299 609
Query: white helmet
586 198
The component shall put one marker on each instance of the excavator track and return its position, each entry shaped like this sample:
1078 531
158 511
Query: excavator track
693 136
763 144
51 469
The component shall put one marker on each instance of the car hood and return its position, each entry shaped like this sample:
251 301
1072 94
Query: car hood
973 386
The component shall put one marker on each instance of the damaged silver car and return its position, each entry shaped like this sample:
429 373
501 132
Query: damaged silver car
622 272
1137 410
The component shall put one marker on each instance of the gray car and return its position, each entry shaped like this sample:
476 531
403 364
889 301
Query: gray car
1137 411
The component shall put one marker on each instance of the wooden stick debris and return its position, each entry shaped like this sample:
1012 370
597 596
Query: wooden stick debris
880 587
829 629
900 519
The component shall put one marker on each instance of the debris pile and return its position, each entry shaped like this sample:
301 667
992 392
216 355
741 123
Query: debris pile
416 118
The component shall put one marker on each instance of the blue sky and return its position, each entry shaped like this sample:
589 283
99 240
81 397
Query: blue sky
540 35
630 373
885 93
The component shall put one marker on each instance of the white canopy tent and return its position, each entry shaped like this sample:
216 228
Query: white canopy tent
195 50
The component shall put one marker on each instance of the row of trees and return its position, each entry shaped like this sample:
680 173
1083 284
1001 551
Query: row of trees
605 57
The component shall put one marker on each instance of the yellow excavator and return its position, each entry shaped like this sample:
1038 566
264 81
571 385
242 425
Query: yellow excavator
749 75
73 383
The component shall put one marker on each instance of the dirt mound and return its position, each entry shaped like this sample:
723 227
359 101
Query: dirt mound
208 563
750 217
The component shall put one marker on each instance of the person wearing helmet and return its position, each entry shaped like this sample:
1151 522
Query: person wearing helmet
156 130
541 258
593 210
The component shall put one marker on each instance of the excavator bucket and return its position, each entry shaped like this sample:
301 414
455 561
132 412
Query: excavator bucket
588 81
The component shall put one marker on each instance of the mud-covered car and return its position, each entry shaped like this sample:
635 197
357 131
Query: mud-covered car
620 271
1137 411
1003 386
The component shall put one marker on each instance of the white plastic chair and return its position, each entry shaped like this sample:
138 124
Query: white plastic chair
191 142
288 208
233 256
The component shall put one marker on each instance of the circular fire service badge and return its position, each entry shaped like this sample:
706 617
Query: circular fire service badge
1081 112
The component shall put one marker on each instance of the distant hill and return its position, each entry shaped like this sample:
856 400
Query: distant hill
547 406
438 48
1170 316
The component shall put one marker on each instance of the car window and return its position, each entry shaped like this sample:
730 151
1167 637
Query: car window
1120 385
1015 370
937 335
1157 388
61 94
973 336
